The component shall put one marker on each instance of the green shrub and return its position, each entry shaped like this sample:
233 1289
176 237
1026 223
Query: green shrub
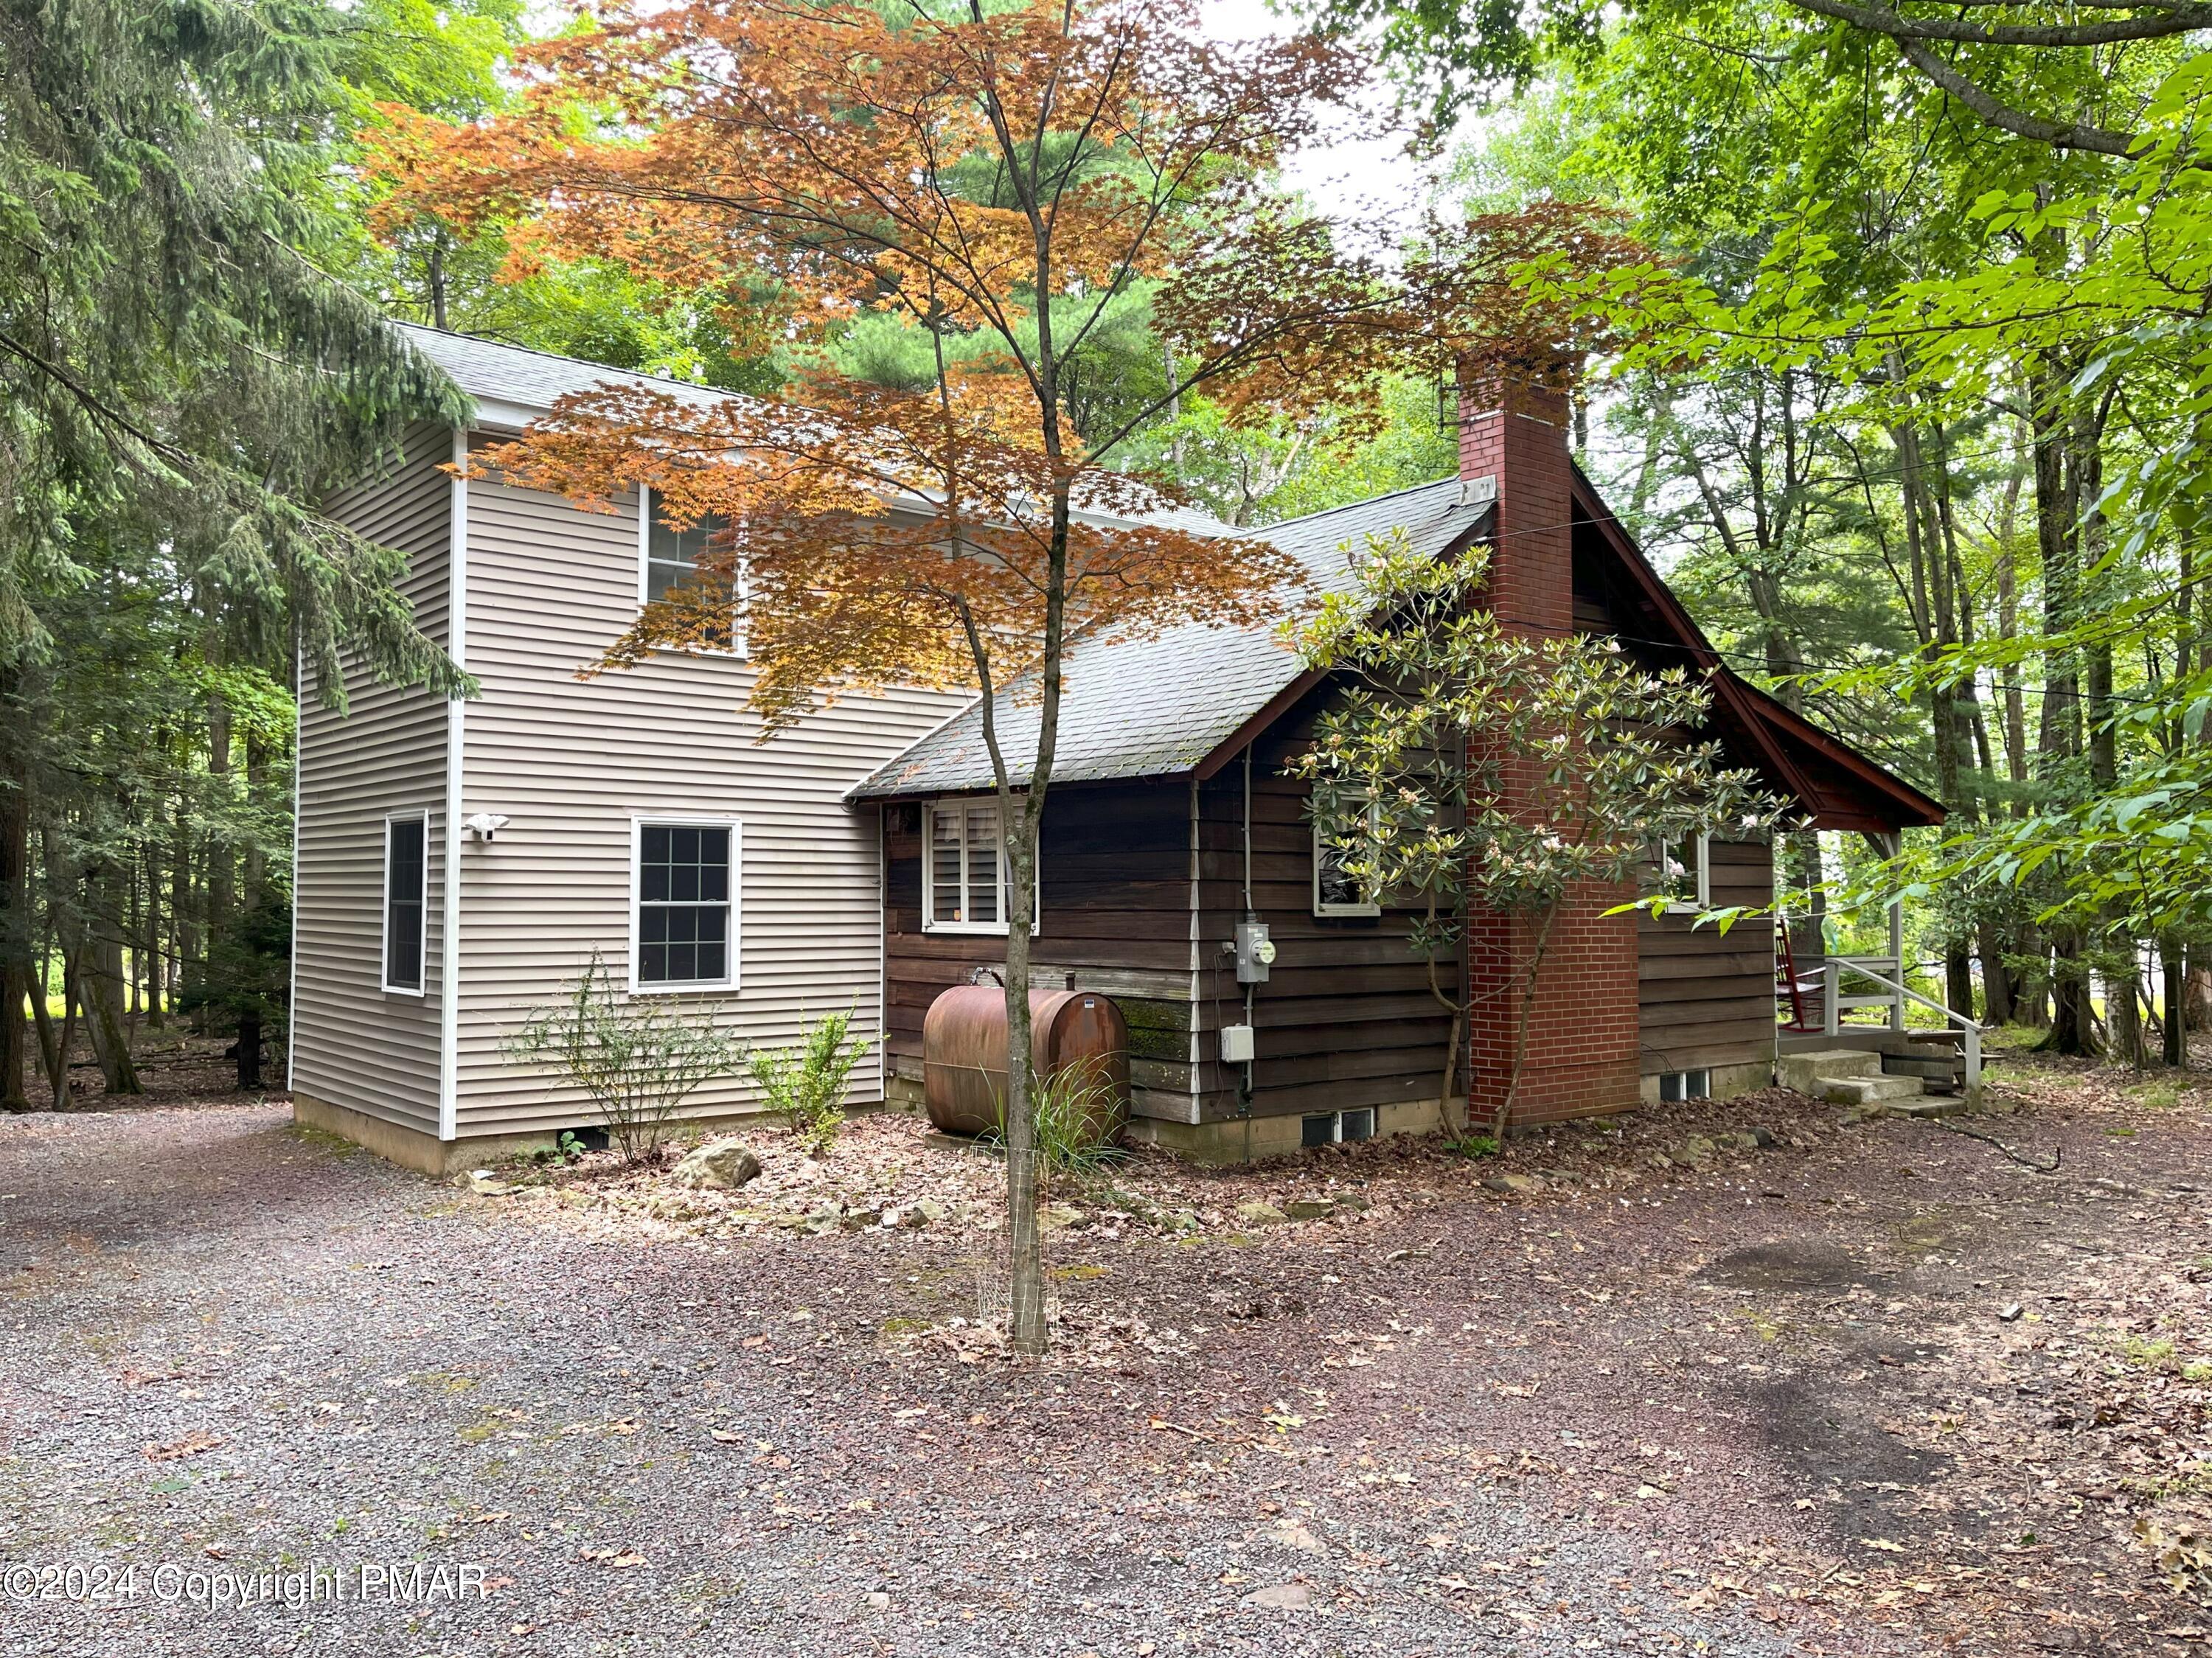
805 1085
637 1058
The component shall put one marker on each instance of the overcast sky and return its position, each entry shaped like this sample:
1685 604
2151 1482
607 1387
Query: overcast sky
1360 181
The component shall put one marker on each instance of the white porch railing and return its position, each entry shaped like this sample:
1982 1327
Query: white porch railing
1834 1003
1895 994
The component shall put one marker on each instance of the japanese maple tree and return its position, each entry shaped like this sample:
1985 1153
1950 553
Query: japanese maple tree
999 180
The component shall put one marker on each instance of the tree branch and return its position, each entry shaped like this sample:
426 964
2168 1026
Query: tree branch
2168 21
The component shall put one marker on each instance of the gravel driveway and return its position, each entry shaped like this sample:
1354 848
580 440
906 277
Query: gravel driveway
1704 1414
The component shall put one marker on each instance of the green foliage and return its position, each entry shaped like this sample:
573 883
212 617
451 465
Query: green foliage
805 1085
1468 765
1071 1106
636 1058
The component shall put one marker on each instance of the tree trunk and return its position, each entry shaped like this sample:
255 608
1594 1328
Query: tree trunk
249 1049
1996 977
2073 1019
53 1058
223 857
61 1042
101 956
2123 1007
180 905
2174 1015
2031 999
150 957
1958 978
14 936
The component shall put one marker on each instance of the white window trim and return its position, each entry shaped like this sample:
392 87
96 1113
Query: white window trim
1374 823
1703 900
384 910
638 825
736 651
998 928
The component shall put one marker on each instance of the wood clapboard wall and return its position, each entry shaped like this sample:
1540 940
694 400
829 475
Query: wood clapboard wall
1115 884
1706 999
1345 1018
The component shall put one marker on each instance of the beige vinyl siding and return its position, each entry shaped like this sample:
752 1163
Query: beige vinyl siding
571 762
353 1043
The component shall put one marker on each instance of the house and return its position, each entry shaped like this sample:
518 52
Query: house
1170 820
457 863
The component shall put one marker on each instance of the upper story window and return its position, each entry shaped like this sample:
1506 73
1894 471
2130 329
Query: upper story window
964 884
685 925
406 883
674 569
1334 891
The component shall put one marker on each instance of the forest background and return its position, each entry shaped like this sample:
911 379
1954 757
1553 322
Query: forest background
1913 419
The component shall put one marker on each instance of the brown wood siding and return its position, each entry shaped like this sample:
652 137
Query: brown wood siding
1113 868
1706 999
1345 1018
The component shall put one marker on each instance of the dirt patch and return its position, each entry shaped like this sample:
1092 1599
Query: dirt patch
1791 1265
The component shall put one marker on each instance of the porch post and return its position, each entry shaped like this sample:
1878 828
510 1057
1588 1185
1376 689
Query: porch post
1894 843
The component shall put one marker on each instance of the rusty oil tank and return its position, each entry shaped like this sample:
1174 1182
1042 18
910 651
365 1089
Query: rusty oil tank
964 1046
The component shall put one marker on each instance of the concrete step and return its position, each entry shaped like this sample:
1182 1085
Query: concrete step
1804 1071
1934 1105
1940 1067
1869 1090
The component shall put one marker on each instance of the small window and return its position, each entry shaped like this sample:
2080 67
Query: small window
406 876
1334 891
687 882
964 868
1677 1085
1683 872
1334 1127
676 572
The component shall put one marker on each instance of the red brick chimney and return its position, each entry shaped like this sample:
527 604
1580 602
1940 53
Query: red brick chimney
1513 428
1581 1058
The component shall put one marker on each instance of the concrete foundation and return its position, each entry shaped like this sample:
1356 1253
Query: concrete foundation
1247 1139
410 1148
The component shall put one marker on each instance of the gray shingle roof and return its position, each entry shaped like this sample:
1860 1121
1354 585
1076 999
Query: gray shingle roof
512 377
1143 707
1158 707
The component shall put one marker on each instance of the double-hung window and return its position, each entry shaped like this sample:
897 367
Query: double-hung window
678 568
1334 891
406 879
686 922
963 867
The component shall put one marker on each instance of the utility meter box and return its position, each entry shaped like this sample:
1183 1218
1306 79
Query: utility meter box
1256 952
1236 1044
